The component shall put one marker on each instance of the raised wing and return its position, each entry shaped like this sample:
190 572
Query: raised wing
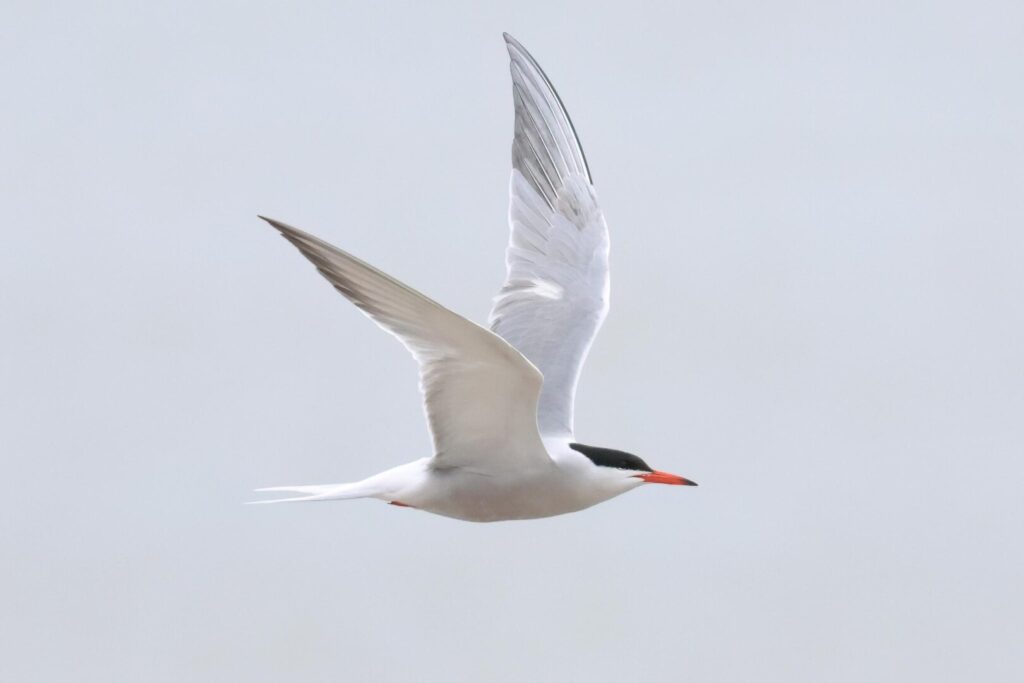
555 295
480 394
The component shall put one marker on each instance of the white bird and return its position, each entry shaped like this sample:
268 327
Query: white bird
499 402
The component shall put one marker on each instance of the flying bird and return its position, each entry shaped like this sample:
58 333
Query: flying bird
499 401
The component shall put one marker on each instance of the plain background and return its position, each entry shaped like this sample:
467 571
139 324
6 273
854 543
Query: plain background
816 214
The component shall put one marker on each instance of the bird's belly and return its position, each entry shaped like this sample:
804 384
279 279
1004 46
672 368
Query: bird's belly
482 498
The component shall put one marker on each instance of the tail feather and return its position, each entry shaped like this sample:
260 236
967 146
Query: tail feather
298 499
314 493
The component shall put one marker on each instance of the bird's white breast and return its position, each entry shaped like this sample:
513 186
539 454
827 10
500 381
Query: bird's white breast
569 485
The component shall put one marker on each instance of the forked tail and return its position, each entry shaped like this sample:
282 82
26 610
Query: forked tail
317 492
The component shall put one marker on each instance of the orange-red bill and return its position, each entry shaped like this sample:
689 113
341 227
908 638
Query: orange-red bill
665 478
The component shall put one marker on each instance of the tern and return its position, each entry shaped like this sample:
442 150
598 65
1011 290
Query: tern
499 401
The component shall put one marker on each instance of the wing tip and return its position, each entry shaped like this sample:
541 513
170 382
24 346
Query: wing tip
518 53
292 234
276 224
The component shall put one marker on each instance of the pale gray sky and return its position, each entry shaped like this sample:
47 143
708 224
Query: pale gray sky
816 214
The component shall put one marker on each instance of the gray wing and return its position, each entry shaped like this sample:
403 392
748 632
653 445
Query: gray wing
555 295
480 394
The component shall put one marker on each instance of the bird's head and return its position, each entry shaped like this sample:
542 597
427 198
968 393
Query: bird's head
626 468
